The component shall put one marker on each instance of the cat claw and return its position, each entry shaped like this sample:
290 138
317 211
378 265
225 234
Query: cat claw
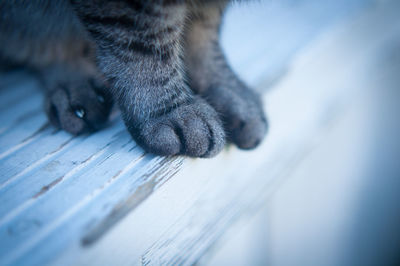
77 107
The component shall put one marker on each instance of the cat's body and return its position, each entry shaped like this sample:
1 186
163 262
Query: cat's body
159 60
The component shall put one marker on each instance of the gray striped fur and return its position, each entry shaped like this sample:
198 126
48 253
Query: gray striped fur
159 60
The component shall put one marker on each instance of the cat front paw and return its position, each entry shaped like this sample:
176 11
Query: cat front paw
79 105
242 112
193 129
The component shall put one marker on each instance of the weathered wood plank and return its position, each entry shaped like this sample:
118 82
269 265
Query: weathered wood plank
61 192
206 198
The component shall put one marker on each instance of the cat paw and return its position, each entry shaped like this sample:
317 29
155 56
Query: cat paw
78 105
242 113
193 129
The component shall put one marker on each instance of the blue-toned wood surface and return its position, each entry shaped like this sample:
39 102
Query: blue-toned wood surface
57 190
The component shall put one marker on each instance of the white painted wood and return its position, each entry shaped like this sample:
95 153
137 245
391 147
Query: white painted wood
190 212
314 217
101 200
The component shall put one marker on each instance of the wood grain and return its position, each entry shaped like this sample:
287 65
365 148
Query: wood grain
99 199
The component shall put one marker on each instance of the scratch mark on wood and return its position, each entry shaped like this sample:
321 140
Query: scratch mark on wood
48 187
160 174
37 132
61 146
35 164
66 176
117 174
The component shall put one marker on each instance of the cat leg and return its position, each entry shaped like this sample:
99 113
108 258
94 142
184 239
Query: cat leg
139 45
48 37
210 76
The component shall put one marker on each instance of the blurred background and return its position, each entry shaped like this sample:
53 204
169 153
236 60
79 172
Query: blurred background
341 206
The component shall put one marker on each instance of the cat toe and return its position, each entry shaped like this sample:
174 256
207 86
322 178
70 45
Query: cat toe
161 140
193 130
201 133
78 108
248 133
242 113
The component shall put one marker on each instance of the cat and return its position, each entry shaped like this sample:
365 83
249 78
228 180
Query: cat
159 60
